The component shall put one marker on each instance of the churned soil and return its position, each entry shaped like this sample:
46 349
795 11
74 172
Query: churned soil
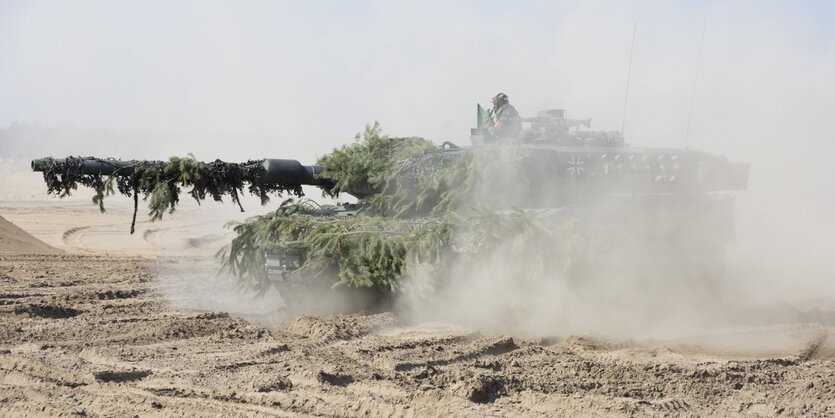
91 335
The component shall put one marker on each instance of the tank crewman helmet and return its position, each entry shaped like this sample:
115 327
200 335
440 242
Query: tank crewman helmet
500 99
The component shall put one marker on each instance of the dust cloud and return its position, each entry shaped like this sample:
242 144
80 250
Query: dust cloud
609 264
196 285
293 80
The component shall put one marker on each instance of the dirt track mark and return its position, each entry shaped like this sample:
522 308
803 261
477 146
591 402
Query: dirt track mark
114 376
813 347
119 294
72 236
149 235
203 241
674 406
48 311
37 371
410 344
172 237
336 379
599 343
477 349
328 329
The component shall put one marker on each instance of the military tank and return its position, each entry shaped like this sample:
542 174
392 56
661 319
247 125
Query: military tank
419 204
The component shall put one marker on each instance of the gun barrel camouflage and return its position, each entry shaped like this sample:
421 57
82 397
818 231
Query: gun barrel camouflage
283 171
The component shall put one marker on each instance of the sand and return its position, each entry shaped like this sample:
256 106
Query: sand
17 241
84 335
120 325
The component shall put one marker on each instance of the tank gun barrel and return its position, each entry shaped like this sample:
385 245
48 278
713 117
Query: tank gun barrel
293 172
89 166
283 171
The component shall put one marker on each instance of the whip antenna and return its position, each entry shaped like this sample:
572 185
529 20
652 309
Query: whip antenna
628 76
695 81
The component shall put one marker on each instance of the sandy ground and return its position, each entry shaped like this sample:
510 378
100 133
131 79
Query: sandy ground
13 239
122 325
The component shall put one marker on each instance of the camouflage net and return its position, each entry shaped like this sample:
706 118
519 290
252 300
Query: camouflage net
160 182
402 177
371 250
414 192
378 252
369 164
414 222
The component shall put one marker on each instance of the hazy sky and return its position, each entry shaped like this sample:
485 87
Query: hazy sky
315 71
284 78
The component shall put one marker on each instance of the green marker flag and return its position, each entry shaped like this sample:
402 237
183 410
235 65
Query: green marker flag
481 116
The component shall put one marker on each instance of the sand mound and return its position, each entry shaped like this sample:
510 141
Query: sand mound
15 240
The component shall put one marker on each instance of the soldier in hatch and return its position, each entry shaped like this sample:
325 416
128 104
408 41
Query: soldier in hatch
503 119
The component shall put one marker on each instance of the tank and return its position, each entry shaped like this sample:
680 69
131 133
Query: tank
663 211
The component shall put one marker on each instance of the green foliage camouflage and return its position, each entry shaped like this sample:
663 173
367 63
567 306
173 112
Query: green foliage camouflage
161 182
402 177
412 191
369 164
363 251
377 252
412 221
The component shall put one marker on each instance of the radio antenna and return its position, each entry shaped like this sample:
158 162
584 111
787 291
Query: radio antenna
695 82
628 76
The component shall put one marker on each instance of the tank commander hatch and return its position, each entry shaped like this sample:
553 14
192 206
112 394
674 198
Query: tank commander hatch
503 119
